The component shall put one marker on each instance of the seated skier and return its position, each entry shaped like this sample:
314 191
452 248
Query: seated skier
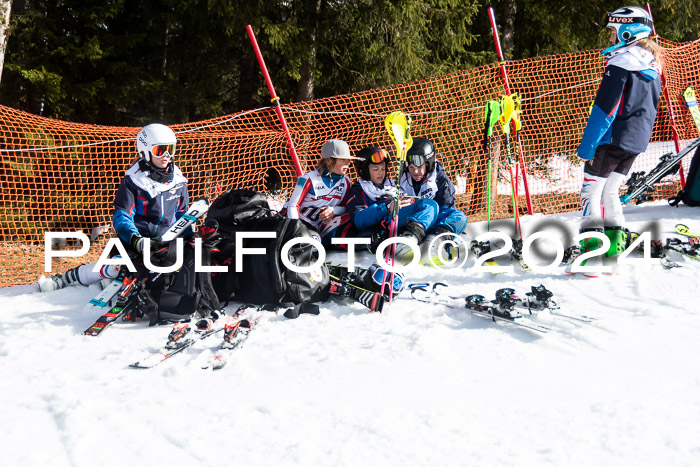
319 196
371 199
151 197
425 177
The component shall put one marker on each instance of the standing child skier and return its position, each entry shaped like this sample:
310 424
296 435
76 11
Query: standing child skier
426 178
151 197
620 124
319 196
371 199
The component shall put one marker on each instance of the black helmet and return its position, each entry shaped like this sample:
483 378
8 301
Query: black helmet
421 152
371 155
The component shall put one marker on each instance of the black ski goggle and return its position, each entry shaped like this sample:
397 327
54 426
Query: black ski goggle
418 161
161 150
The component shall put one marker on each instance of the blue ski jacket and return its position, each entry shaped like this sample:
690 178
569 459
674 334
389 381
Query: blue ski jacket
625 106
148 208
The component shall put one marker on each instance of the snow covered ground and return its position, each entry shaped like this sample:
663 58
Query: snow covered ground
417 385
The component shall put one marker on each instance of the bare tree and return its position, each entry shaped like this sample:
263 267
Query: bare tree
5 8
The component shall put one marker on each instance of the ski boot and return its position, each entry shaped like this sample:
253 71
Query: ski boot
59 281
619 240
587 245
442 247
413 232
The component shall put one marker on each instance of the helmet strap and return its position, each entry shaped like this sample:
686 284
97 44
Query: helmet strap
607 51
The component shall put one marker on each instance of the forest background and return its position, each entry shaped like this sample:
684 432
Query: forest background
131 62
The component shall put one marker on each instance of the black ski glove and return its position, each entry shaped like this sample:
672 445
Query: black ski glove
157 247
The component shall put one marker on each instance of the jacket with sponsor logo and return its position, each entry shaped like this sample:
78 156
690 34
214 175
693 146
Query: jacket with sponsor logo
625 106
436 185
314 191
145 207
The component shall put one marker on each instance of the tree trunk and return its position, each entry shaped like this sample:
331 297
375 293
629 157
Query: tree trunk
305 89
5 8
249 81
164 67
508 11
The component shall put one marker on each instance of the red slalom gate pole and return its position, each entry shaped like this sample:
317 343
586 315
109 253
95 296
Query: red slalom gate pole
671 116
275 101
506 88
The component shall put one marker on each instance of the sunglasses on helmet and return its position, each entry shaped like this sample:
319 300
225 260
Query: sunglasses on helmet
379 156
418 161
162 150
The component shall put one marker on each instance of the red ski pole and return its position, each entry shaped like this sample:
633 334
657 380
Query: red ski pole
275 102
506 88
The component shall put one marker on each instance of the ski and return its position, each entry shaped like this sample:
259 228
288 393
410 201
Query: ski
684 230
126 302
181 338
104 298
501 309
692 103
128 288
641 185
691 248
540 298
657 251
236 330
196 210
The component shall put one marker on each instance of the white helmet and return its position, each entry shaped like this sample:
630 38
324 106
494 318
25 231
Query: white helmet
155 140
631 23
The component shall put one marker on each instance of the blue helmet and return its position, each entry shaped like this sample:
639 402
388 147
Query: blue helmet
631 23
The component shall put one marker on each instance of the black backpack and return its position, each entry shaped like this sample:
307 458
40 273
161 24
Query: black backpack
264 279
178 295
690 194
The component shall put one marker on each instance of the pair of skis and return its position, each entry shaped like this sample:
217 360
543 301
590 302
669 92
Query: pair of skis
126 289
640 185
504 308
184 335
690 248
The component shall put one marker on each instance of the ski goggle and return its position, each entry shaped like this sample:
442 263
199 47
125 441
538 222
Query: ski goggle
378 278
379 156
162 150
418 161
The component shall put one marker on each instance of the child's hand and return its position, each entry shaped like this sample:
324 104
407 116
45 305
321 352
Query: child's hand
406 201
326 214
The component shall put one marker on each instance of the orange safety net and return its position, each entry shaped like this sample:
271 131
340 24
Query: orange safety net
62 176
